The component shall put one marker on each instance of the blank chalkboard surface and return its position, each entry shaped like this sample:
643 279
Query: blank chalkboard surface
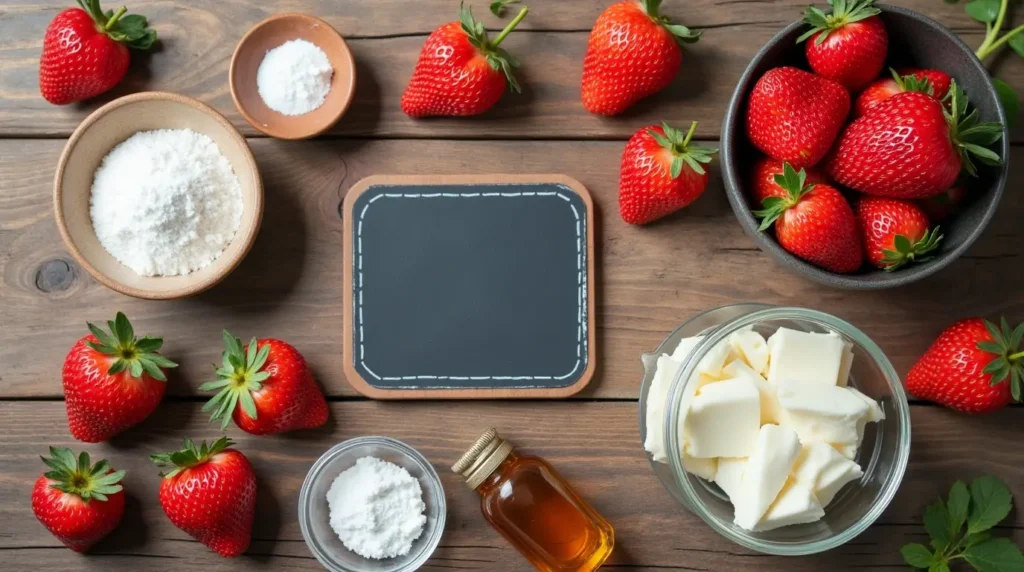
468 286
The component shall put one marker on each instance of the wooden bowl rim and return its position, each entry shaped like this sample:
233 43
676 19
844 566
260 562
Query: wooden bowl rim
346 54
250 233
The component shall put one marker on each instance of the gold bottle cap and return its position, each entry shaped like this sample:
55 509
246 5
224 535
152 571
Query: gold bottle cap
482 458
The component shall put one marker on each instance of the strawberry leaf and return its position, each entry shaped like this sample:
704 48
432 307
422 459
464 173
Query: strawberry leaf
843 13
497 58
682 34
917 555
995 555
791 181
78 476
991 501
684 153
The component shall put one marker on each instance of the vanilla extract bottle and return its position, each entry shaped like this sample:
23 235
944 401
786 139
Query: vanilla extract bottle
534 508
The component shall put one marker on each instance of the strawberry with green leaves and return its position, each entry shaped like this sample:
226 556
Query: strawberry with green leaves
813 222
77 501
762 181
662 171
931 82
209 492
873 155
849 44
895 232
460 70
633 52
974 366
112 380
266 387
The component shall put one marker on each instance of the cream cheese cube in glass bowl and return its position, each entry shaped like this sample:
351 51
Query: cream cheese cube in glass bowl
832 437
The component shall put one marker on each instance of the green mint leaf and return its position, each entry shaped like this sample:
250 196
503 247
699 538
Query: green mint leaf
936 522
985 11
995 555
991 502
977 538
1007 97
939 567
959 501
917 555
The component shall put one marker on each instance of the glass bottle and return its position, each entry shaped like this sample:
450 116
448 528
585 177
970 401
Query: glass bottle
534 508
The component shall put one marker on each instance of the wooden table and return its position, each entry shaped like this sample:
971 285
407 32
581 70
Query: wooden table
650 279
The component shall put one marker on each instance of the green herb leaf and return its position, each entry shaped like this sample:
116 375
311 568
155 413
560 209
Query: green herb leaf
498 6
936 522
1007 97
917 555
957 507
985 11
1017 43
995 555
991 501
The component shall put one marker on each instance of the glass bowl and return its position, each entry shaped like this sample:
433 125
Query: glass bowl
883 454
314 512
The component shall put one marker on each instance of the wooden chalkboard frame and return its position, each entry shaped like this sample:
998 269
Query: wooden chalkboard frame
356 380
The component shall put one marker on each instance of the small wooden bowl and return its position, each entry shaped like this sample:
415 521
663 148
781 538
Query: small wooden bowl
271 33
101 132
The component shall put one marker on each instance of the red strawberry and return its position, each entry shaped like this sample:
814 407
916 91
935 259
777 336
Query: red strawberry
78 502
112 380
85 51
814 222
210 493
266 387
911 147
849 45
633 52
661 173
931 82
460 71
974 367
763 185
794 116
895 232
944 205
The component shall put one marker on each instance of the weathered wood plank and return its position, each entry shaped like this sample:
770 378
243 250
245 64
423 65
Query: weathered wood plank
199 37
595 445
649 279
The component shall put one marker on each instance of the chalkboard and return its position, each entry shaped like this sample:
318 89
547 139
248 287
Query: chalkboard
468 286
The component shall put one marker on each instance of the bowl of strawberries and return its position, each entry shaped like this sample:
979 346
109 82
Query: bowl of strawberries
864 146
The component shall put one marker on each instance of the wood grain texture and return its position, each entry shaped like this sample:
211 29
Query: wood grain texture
198 38
649 279
594 445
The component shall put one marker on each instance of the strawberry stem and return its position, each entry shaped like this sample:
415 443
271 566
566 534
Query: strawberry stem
689 134
1016 356
113 19
511 26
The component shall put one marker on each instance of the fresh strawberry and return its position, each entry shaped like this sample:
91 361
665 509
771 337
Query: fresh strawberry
78 502
210 493
85 51
896 233
813 222
461 71
112 380
974 366
911 147
931 82
944 205
633 52
266 387
763 185
661 172
849 45
794 116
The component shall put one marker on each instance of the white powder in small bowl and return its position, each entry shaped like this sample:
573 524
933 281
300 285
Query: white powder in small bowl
294 78
165 202
377 509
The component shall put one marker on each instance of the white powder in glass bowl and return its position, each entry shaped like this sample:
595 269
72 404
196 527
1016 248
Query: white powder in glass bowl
294 78
377 509
165 202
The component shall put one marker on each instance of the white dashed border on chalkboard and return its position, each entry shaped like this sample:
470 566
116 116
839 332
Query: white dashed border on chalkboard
581 295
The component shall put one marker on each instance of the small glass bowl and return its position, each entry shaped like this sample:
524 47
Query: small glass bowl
314 513
883 455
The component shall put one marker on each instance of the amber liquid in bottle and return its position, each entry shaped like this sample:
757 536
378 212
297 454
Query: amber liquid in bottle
540 514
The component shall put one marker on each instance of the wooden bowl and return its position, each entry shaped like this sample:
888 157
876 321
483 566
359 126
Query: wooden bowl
914 39
271 33
101 132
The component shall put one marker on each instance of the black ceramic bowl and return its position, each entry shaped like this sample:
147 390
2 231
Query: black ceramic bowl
915 40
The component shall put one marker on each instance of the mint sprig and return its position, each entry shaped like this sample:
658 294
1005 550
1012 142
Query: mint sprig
981 506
